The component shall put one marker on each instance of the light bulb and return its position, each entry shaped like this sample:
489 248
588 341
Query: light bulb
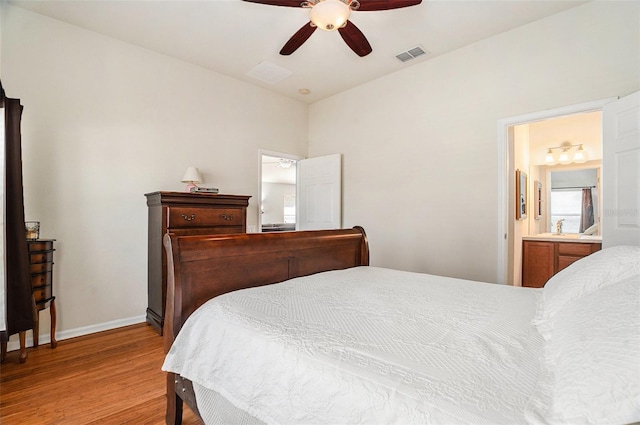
580 156
549 158
564 157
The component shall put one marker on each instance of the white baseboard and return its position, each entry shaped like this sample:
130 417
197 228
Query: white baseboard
72 333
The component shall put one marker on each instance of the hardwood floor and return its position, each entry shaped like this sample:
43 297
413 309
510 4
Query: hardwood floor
110 377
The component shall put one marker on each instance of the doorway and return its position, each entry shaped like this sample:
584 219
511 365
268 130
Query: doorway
277 191
511 230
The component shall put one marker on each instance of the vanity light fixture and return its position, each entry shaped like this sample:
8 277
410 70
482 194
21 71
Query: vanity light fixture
565 156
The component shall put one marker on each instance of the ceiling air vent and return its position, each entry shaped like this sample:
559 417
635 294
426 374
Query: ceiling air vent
411 54
269 72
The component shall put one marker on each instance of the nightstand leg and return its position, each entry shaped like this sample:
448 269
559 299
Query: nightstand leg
23 346
54 342
3 351
36 327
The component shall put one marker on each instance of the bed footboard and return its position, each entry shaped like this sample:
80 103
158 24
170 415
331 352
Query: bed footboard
202 267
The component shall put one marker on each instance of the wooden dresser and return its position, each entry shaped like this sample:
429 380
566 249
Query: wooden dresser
41 259
541 259
185 213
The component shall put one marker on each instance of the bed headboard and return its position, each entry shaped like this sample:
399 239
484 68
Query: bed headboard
202 267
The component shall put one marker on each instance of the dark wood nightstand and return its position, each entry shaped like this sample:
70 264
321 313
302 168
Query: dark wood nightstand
41 258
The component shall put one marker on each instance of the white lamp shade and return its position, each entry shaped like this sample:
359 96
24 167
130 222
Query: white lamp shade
564 157
192 176
580 155
329 15
549 158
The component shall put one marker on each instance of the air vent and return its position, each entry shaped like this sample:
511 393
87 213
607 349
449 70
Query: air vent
269 72
411 54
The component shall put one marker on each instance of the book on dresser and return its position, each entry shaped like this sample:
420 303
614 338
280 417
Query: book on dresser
184 213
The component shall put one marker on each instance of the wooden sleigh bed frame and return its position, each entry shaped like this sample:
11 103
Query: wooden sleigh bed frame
202 267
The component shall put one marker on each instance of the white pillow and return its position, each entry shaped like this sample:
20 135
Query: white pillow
586 275
592 360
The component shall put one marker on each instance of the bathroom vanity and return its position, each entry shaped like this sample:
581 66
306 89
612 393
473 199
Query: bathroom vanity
546 254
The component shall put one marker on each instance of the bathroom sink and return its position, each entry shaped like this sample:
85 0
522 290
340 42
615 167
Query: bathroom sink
565 236
560 236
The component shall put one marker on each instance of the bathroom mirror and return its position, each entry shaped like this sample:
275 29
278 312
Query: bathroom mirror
574 196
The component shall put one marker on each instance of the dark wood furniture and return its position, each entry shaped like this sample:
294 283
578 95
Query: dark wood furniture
543 259
41 259
184 214
41 269
203 267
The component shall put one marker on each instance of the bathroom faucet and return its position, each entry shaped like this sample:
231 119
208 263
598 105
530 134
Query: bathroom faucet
559 226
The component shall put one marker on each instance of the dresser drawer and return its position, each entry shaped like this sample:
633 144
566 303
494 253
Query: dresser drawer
42 294
220 230
41 257
184 217
36 246
37 268
578 249
41 279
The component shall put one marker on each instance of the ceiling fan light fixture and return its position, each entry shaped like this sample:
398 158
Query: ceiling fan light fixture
285 163
329 15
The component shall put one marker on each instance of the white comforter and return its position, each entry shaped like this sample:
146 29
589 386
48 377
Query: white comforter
367 345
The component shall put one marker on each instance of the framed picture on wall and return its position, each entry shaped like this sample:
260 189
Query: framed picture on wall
521 195
537 202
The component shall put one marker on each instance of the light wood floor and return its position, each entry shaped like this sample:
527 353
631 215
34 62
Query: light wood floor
110 377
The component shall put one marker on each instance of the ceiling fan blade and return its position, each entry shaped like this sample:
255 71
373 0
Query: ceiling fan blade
368 5
355 39
287 3
298 39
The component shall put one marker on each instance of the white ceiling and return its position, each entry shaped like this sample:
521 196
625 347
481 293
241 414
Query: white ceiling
232 36
272 172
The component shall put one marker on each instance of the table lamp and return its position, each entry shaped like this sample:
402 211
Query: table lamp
191 177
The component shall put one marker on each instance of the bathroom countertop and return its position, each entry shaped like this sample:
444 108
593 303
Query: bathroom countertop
569 237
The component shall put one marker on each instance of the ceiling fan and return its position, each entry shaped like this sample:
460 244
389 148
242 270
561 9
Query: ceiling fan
331 15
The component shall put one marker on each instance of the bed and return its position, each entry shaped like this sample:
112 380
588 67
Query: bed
296 327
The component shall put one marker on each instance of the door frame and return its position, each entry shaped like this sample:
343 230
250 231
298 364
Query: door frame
265 152
505 170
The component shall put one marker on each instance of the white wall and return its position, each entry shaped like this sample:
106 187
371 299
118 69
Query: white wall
104 123
420 146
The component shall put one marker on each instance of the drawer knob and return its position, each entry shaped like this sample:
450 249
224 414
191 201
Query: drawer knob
186 217
227 217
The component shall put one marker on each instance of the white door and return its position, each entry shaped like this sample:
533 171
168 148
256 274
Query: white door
319 198
621 172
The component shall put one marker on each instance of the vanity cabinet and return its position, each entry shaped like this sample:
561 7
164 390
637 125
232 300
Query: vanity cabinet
184 213
543 259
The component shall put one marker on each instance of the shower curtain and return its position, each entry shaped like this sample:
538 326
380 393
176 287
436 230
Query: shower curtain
16 307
